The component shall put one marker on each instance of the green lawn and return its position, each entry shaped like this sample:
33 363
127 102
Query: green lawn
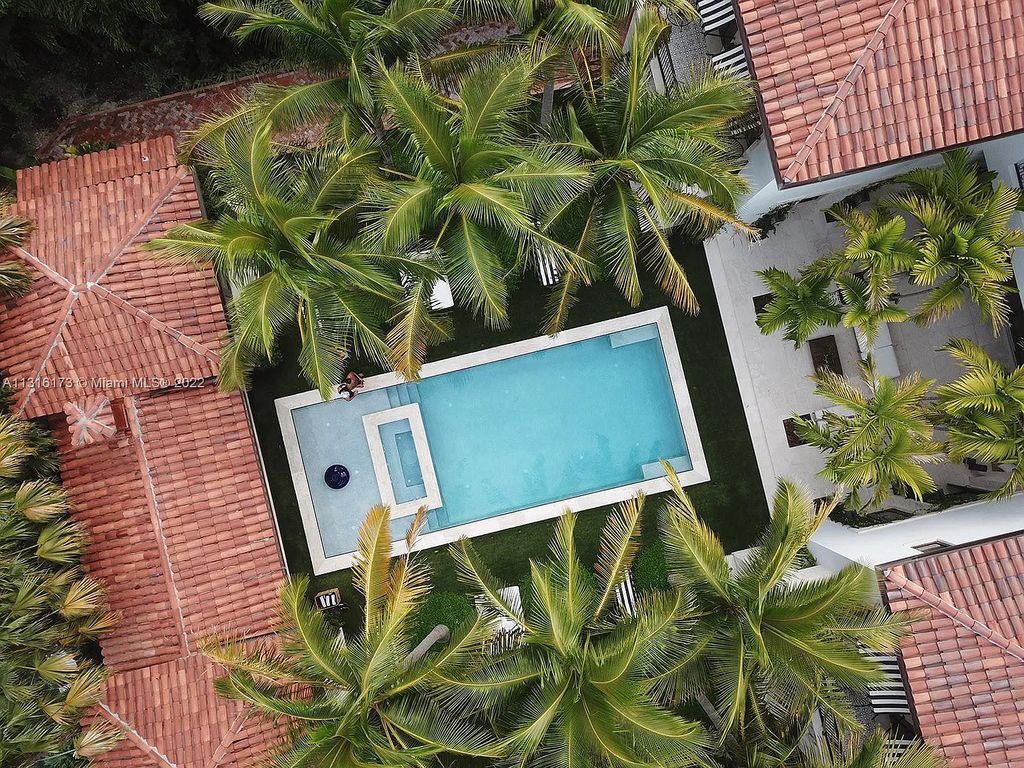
733 503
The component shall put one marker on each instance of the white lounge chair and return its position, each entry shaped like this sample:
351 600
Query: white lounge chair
889 697
715 14
625 596
441 294
548 271
509 632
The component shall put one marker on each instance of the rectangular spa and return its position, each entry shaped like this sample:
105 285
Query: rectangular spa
497 438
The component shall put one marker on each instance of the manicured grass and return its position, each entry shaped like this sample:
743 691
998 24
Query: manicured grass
732 503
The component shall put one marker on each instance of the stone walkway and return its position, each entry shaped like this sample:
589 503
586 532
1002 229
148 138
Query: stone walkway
173 114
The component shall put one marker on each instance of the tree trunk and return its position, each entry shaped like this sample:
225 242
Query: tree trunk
437 634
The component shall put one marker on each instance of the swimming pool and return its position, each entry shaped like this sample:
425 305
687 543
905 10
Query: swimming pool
498 438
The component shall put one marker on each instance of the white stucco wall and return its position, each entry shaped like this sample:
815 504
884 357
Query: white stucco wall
1002 156
835 545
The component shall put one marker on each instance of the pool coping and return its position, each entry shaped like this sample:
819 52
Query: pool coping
323 563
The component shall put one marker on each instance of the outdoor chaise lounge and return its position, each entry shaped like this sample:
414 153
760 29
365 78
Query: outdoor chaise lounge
732 61
715 14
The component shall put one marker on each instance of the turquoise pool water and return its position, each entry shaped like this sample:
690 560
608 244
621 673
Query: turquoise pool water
507 435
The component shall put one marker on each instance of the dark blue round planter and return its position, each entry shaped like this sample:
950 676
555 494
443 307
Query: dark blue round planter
336 476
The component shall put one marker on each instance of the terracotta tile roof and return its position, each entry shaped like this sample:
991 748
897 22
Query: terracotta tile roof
181 535
849 84
167 482
965 661
102 316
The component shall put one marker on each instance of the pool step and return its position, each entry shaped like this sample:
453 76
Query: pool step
679 464
403 394
634 335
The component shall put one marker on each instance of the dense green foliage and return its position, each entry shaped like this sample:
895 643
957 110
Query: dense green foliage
959 250
565 675
361 701
48 612
880 438
983 413
446 177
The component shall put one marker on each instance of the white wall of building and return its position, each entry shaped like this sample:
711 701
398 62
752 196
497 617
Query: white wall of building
1002 156
835 545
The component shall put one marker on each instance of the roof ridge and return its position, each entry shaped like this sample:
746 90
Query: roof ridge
59 325
154 510
957 615
155 323
845 88
223 749
42 266
134 736
142 221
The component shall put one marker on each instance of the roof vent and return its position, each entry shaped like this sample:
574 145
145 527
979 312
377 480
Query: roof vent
90 420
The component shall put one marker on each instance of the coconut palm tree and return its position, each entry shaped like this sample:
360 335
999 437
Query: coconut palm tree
340 42
585 37
877 750
659 166
882 441
14 277
578 691
367 700
964 238
288 243
48 610
467 180
983 413
770 647
800 305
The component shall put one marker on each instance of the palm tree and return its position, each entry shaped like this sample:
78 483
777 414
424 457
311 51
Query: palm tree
883 442
770 647
659 166
862 311
877 750
288 244
339 41
875 251
15 279
578 691
580 34
467 180
48 611
799 305
965 239
368 700
983 413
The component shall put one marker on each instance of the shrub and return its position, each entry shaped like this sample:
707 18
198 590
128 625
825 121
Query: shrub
650 570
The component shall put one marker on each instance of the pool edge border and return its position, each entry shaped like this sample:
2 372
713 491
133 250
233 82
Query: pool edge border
323 563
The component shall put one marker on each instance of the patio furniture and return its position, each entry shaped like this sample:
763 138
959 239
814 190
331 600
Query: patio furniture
509 632
625 595
715 14
548 271
441 294
730 62
889 697
825 355
329 598
792 438
762 301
